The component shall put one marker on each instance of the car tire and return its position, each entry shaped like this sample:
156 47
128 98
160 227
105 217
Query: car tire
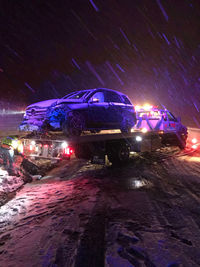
74 124
127 123
125 127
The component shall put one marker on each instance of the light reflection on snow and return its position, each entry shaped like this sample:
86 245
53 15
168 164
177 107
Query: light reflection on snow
194 159
32 200
135 183
11 210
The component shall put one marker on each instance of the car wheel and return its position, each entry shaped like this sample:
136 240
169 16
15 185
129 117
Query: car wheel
74 124
125 126
127 123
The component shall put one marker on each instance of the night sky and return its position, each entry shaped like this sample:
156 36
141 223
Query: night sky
148 49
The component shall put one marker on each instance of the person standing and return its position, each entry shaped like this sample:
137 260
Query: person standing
7 153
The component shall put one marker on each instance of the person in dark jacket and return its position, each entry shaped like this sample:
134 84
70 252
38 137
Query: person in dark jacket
7 154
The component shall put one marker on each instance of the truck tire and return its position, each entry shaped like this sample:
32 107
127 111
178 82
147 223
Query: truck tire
74 124
82 151
118 153
181 141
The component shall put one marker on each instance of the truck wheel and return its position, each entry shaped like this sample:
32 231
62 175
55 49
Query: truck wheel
181 141
118 153
82 151
73 125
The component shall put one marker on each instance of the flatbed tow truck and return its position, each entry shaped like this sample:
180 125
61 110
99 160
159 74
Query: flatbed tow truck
154 128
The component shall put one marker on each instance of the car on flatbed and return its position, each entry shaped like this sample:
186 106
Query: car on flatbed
86 110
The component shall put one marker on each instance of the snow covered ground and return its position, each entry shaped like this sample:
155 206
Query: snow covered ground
146 213
9 183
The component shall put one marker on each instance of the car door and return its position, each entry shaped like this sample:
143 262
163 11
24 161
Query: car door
173 123
98 107
115 110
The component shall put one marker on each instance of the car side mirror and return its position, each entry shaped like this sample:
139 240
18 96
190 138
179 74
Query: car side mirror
94 100
178 119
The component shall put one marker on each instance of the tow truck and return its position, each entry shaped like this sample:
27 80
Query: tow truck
154 128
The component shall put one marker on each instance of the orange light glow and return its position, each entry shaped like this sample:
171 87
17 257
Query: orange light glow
144 130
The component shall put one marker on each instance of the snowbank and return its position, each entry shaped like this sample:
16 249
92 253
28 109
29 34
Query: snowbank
8 183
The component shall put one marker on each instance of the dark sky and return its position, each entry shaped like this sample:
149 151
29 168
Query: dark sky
149 49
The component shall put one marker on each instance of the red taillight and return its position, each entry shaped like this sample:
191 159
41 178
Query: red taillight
68 151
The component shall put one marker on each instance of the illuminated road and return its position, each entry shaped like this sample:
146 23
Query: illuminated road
143 214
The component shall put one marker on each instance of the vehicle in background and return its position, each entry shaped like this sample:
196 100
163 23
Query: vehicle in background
86 110
151 118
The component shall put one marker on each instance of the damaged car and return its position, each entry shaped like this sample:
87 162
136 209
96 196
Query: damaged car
90 110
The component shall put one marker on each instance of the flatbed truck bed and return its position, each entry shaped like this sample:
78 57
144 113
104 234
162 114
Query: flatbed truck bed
115 145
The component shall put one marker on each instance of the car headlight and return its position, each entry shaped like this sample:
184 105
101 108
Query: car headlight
25 114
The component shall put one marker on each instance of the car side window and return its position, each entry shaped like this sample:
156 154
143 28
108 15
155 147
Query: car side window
113 97
171 117
126 100
99 96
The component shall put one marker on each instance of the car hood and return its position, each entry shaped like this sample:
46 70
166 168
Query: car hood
43 104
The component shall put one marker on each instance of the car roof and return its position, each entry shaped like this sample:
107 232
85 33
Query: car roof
106 89
93 90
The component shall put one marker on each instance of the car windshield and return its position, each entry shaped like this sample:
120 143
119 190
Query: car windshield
76 95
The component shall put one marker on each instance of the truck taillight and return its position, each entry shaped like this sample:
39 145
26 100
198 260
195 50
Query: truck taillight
68 151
